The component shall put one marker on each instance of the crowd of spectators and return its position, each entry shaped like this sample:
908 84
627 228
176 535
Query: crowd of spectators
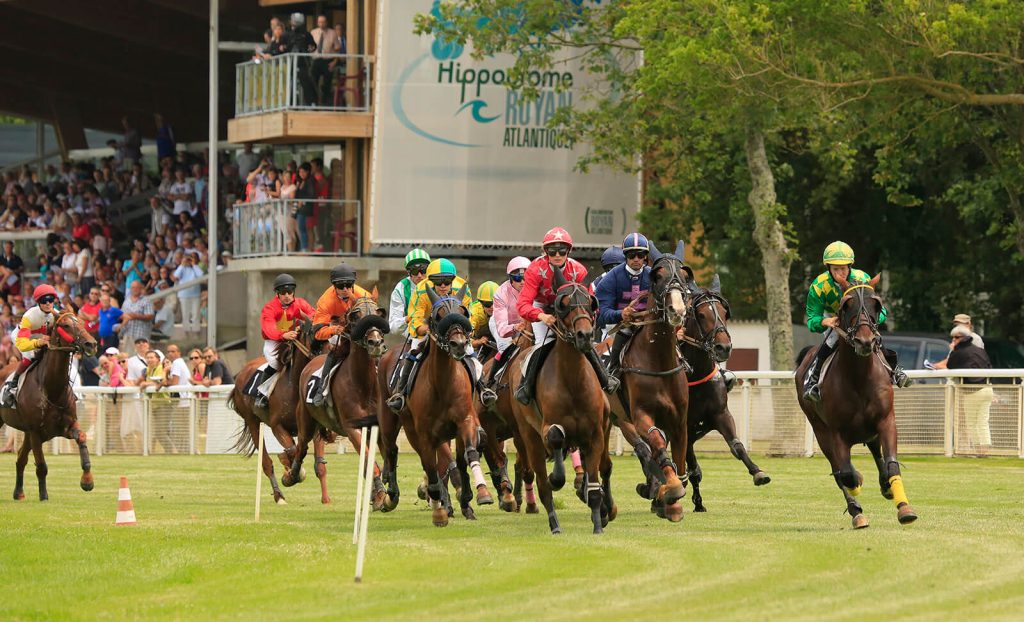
316 76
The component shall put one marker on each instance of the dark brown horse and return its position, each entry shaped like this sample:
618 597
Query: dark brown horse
45 405
354 389
705 344
279 415
655 388
857 403
569 409
440 405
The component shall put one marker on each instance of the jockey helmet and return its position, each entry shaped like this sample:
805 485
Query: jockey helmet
635 242
282 281
416 255
441 267
517 263
557 235
838 254
343 273
611 257
485 293
43 290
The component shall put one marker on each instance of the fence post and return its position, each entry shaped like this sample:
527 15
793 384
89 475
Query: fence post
193 416
145 423
101 423
1020 420
808 439
949 424
748 401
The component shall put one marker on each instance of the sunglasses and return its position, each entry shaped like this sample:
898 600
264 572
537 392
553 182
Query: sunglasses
516 276
286 290
557 250
344 285
417 271
440 282
47 300
487 305
636 254
195 358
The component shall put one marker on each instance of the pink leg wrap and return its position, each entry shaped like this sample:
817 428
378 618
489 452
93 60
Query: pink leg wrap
530 498
576 462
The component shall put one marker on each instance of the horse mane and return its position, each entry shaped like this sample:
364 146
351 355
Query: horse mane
285 353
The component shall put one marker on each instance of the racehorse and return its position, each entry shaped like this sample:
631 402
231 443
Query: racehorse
45 405
705 344
280 412
354 389
857 403
440 405
654 390
569 409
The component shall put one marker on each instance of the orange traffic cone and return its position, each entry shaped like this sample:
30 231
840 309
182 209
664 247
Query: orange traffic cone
125 509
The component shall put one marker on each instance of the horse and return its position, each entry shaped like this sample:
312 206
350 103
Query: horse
569 409
857 403
440 406
280 412
354 389
706 343
45 405
654 395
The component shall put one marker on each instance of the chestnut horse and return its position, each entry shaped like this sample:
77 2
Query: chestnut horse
569 409
705 344
857 403
280 412
45 405
355 392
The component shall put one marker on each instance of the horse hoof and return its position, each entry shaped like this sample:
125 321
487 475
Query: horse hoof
887 493
287 481
87 486
598 529
906 514
699 508
302 475
658 509
483 496
671 492
47 498
643 490
440 517
19 496
325 500
578 482
761 478
468 513
556 531
557 482
860 521
508 503
281 501
613 513
421 491
531 508
674 512
389 504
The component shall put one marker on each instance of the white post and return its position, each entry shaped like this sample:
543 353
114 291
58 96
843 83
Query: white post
144 405
193 418
101 424
1020 420
950 419
259 474
361 552
747 405
359 484
211 187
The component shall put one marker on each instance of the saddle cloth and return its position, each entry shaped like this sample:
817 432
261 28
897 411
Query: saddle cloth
326 385
831 358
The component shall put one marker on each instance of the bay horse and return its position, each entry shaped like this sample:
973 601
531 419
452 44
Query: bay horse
45 406
569 409
857 403
279 415
440 405
354 389
654 395
706 343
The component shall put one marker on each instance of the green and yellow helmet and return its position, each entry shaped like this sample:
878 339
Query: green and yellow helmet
485 293
416 255
838 254
441 267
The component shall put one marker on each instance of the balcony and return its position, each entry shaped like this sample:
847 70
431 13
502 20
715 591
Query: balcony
272 229
294 98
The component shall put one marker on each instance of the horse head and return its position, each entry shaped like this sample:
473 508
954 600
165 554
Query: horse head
706 323
671 288
575 309
859 309
368 325
69 333
449 322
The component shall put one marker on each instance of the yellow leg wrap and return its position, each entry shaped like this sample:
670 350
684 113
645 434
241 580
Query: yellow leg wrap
854 492
898 494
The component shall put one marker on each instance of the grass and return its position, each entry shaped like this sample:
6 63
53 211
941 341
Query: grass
784 551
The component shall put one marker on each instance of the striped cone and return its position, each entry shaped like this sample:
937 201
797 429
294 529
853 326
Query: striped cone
125 509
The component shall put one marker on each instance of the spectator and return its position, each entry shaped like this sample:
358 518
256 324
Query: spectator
83 265
199 187
132 268
197 371
88 370
978 398
216 371
247 161
306 192
132 142
165 144
138 316
960 319
154 374
327 42
69 265
188 298
89 312
11 267
163 323
182 192
109 318
178 372
160 215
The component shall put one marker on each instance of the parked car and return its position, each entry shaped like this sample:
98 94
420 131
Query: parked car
916 348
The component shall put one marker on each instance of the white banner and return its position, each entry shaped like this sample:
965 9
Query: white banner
461 161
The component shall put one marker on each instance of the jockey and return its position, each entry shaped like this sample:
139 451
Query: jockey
277 322
480 313
332 311
31 336
416 262
536 298
622 287
610 258
825 296
506 318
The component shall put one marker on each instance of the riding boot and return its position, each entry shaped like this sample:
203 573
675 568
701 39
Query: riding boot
618 344
262 401
812 392
397 400
524 393
609 383
8 390
318 389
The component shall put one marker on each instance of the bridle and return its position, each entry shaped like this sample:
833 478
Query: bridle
660 292
568 298
863 317
75 343
706 340
364 307
450 305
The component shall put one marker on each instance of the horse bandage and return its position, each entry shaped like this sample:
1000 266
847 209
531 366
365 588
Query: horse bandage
854 492
899 496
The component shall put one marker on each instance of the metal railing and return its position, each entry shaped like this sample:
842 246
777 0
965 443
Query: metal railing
335 82
283 227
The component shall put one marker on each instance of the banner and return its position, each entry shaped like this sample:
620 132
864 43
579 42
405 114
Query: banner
462 162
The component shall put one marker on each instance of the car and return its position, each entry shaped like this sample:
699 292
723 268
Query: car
916 348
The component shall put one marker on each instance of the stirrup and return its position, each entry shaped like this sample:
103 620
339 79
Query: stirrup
488 396
813 393
262 401
318 393
522 394
612 385
396 402
900 378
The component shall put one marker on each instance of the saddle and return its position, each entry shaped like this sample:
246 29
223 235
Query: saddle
472 365
319 373
21 379
881 353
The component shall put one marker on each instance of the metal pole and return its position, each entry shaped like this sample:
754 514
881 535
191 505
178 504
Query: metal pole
211 188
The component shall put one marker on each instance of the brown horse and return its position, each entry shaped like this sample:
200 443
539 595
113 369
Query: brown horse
857 403
280 412
705 344
569 409
655 388
45 405
354 390
440 406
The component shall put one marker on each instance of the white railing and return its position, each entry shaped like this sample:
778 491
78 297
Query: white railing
293 82
274 228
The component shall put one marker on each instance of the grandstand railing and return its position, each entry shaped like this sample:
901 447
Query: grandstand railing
267 229
285 82
930 418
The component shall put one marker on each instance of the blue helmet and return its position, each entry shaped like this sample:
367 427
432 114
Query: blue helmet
612 256
635 242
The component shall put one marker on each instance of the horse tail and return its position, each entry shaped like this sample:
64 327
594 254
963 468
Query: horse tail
243 442
803 353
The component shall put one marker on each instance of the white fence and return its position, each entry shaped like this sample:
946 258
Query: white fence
932 417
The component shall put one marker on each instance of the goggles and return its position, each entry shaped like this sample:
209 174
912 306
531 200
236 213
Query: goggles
287 289
344 284
417 270
557 250
441 280
635 254
48 299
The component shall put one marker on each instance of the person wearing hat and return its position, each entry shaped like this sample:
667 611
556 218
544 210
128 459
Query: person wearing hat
31 336
960 319
505 320
480 313
977 393
278 322
332 311
416 262
621 294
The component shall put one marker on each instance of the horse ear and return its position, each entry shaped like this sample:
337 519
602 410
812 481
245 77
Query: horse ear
374 294
843 283
875 279
558 280
654 253
680 251
432 295
716 284
462 293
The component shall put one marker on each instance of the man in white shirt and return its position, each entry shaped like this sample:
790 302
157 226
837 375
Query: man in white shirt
83 264
247 161
188 297
182 193
327 42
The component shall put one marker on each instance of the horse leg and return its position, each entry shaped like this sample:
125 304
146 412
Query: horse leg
389 424
726 426
642 452
41 468
497 461
524 475
883 476
674 511
288 443
887 434
296 474
78 436
536 459
610 510
465 494
448 471
695 475
591 485
470 433
268 462
671 489
320 467
19 465
555 437
428 459
847 479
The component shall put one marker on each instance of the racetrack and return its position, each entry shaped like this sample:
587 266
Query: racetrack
784 551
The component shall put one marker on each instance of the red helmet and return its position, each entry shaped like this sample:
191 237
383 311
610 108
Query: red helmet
43 290
557 235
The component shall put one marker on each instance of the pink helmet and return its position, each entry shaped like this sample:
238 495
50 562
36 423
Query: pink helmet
43 290
557 235
517 263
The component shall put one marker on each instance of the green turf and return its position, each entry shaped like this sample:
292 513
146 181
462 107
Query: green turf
784 551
